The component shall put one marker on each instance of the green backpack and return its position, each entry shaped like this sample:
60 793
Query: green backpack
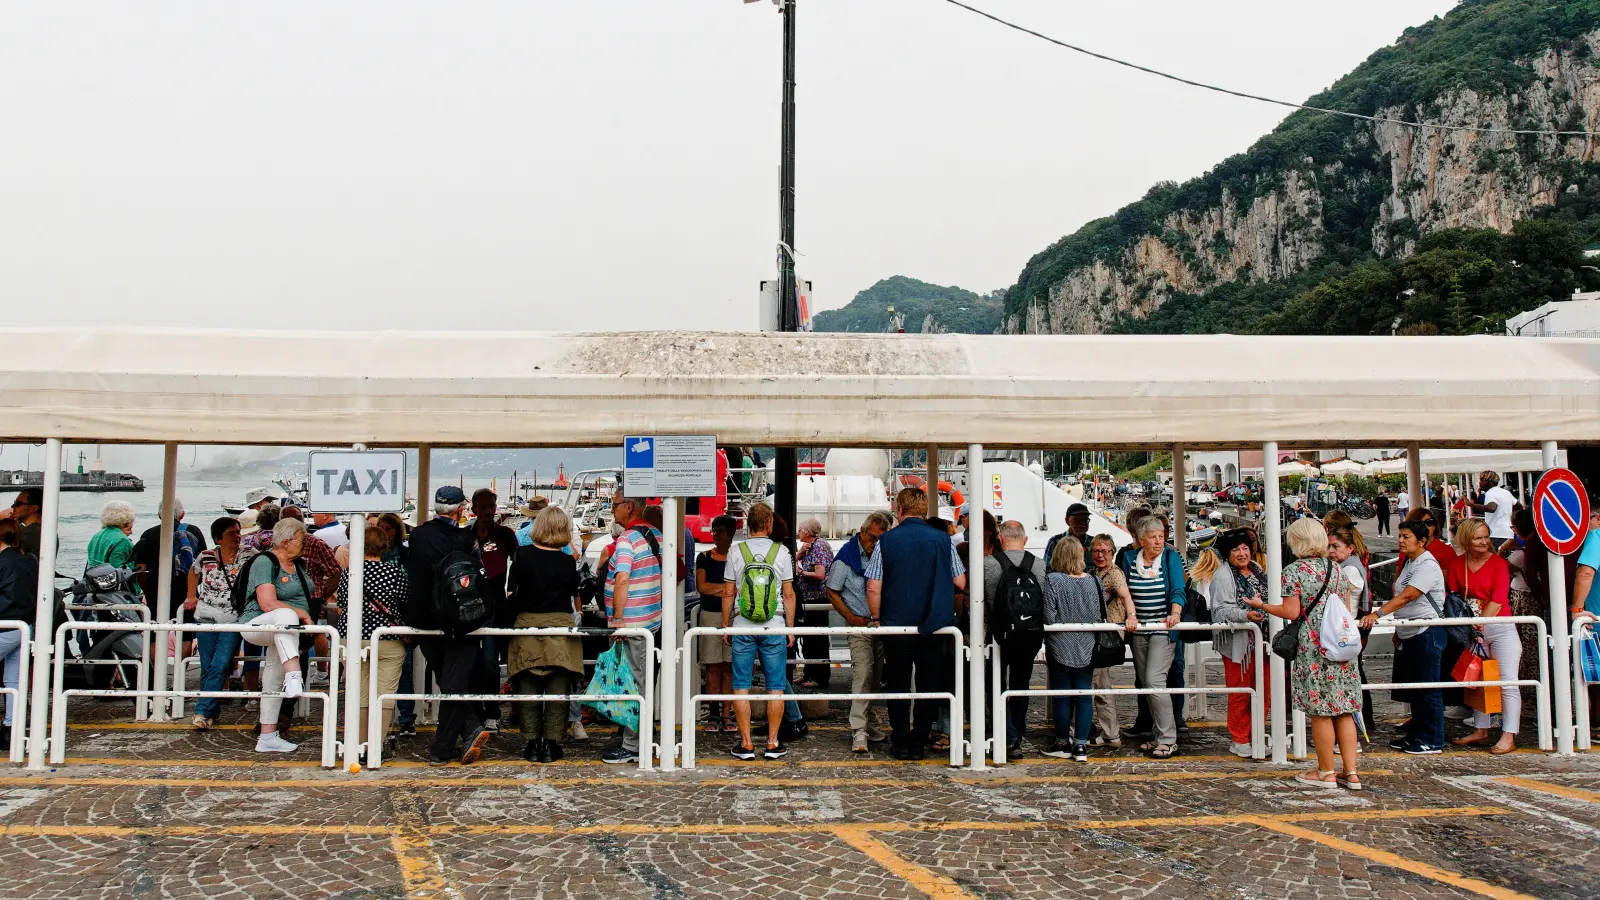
760 585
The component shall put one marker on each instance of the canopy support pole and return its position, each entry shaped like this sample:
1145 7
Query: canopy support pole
44 630
161 710
1414 474
1560 646
976 690
1272 520
671 616
355 649
424 494
933 482
1180 502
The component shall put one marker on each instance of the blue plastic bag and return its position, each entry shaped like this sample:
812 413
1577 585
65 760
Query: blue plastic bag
1590 650
613 674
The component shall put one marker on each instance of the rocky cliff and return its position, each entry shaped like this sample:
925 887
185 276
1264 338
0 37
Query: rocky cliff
1323 186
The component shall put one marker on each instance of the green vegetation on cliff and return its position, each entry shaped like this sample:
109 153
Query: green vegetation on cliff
953 309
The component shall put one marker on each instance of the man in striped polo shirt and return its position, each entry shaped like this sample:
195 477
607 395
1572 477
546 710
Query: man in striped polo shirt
633 597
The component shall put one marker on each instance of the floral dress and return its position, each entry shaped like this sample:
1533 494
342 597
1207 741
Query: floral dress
1321 687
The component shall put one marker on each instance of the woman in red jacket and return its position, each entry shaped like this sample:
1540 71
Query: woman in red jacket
1484 580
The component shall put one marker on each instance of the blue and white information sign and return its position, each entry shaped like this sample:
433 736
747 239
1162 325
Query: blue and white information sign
670 465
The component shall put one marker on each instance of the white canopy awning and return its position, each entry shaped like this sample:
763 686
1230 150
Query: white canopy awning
1342 467
562 390
1442 462
1296 467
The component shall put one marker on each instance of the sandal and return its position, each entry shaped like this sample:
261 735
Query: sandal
939 741
201 722
1148 746
1350 781
730 726
1319 779
1497 750
1164 751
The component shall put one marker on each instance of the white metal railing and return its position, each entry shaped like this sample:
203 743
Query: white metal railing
645 699
141 706
180 674
1257 693
1541 686
692 700
59 696
19 693
1580 689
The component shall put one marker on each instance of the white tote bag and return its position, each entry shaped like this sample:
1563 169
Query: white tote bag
1340 640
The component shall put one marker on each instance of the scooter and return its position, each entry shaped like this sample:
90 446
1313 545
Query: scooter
104 659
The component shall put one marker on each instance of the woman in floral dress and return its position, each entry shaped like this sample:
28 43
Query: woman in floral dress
1327 691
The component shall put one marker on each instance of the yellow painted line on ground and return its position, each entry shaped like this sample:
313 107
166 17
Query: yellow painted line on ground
422 871
1558 790
193 763
930 883
1392 860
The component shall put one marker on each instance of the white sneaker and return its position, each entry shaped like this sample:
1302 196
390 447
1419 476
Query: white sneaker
292 685
272 743
1240 750
1458 712
858 742
575 732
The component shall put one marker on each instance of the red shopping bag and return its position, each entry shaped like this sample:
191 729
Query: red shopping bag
1469 666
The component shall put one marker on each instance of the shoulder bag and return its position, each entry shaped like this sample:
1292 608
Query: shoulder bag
1287 642
1108 645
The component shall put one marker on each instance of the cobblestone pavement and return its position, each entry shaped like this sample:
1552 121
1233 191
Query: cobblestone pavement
145 810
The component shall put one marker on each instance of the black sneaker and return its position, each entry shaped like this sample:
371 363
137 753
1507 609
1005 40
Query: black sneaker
1058 749
778 752
438 761
744 753
1080 753
408 730
900 751
1399 743
618 756
1418 748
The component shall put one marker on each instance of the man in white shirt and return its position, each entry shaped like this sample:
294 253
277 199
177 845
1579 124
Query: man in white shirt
1496 506
330 530
770 649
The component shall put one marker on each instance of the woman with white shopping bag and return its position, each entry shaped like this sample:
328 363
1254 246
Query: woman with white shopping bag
1325 681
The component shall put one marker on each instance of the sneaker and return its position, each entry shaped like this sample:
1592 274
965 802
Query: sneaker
619 756
742 752
475 746
776 752
1418 748
1400 743
1457 712
408 729
1240 750
575 732
858 741
1101 740
876 734
1059 750
293 685
492 726
272 743
1080 753
439 760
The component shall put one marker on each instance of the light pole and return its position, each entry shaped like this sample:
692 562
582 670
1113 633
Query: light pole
785 464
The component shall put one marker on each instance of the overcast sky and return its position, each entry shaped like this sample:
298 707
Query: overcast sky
594 165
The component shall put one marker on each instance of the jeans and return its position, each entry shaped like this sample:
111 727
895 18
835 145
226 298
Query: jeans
923 658
815 646
11 651
486 675
217 650
1417 659
773 650
406 710
452 661
1016 672
1073 714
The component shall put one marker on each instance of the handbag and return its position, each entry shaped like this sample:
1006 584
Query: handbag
613 674
1196 610
1469 665
1589 658
1486 700
1108 645
1286 643
1458 605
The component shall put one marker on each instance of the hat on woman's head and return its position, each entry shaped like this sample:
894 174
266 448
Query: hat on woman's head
247 522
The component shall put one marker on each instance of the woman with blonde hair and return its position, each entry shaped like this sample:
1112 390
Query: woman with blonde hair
1071 597
1327 690
544 594
1483 579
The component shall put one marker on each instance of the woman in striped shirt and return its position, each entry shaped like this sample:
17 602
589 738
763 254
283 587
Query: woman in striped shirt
1155 582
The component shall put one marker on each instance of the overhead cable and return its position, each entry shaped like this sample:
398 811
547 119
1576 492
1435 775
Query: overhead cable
1384 120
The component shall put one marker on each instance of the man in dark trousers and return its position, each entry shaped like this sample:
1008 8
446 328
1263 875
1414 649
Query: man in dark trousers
912 577
1381 504
451 659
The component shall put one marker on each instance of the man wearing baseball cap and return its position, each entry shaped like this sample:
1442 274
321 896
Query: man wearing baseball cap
452 659
1077 526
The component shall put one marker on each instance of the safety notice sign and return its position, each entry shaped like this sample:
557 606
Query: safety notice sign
670 465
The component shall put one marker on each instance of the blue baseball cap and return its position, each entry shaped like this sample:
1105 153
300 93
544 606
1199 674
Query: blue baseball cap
449 494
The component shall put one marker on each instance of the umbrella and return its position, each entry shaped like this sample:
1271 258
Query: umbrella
1343 467
1296 467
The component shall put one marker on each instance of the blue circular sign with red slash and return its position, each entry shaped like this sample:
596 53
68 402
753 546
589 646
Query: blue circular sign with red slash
1561 512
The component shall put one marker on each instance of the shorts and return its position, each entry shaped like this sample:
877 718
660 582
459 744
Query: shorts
710 649
774 652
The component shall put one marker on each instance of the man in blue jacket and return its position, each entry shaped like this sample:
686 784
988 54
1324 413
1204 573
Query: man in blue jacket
912 577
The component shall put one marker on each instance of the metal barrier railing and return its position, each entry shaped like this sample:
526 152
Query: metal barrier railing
19 693
180 673
1541 686
59 695
690 678
1582 737
141 706
646 700
998 696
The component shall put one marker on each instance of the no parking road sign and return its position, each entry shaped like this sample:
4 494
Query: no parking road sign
1561 512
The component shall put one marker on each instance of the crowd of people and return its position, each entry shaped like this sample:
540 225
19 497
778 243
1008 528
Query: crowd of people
901 569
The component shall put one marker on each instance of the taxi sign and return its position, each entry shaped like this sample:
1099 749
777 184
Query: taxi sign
1561 512
356 481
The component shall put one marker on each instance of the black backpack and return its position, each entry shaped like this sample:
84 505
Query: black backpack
1196 609
239 592
460 603
1019 601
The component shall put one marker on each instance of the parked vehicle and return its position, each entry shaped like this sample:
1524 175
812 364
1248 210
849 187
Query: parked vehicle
102 659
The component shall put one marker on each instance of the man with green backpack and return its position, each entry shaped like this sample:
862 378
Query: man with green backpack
759 581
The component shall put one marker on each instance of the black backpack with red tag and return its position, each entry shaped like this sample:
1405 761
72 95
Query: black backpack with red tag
461 605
